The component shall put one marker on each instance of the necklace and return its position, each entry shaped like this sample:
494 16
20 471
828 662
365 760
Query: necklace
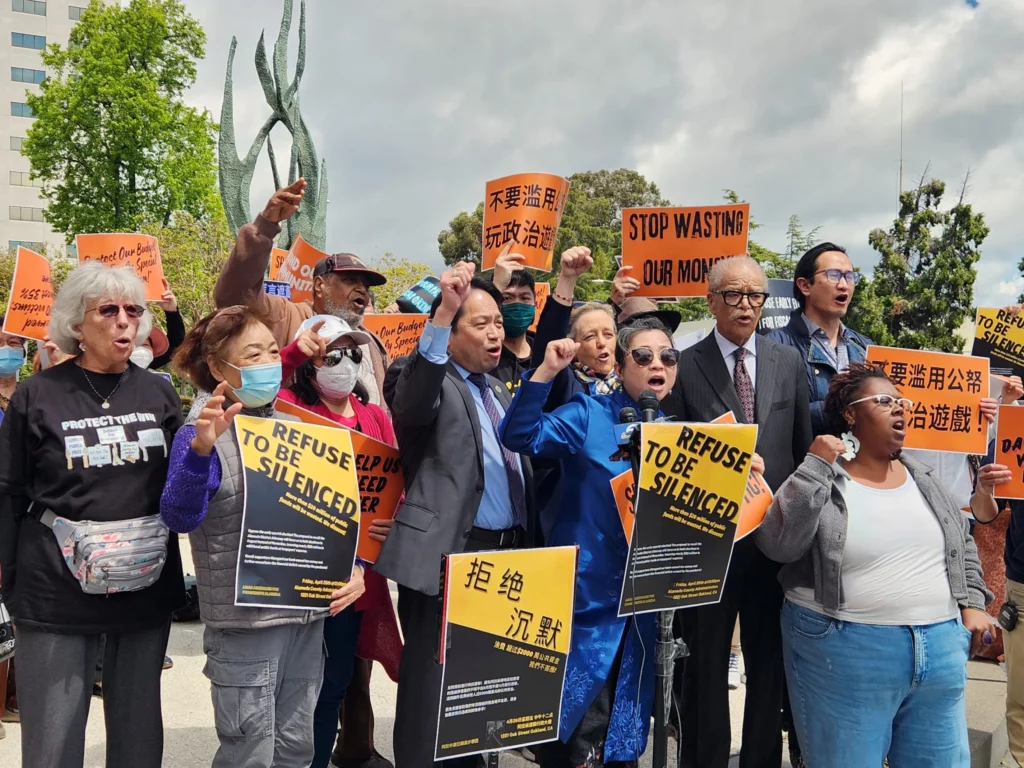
105 401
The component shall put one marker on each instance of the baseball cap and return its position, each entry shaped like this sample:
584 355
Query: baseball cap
350 263
333 329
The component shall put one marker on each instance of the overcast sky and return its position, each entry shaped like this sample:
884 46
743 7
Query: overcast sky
795 105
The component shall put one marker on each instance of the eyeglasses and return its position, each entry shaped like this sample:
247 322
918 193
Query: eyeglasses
888 402
108 311
735 298
335 356
644 356
833 275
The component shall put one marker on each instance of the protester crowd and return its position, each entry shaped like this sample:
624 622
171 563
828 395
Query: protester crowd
859 599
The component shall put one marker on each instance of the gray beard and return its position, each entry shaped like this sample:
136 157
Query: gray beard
354 320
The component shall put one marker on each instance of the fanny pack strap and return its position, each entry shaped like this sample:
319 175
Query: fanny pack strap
47 518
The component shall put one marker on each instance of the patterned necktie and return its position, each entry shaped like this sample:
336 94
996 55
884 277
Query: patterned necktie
744 387
516 491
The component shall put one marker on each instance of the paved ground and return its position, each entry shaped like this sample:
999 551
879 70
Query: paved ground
191 741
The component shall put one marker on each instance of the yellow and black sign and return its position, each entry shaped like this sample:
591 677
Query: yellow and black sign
504 645
693 478
999 336
300 527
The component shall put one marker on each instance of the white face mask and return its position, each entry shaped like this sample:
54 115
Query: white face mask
142 356
337 382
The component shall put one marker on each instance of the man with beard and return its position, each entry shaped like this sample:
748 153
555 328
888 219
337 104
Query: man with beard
341 286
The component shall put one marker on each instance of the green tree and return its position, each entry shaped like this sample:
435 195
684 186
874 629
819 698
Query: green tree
114 143
797 242
402 274
923 285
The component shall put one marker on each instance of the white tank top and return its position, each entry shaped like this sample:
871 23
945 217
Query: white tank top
894 562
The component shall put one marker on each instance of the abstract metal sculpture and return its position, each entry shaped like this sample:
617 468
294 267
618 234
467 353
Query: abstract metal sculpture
236 174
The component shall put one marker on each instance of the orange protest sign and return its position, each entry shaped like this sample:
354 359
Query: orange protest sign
398 333
672 250
946 390
277 257
624 491
756 499
1010 450
381 481
31 298
297 269
525 210
543 291
140 252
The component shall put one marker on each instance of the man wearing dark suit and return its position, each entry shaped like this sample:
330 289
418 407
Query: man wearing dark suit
764 383
464 491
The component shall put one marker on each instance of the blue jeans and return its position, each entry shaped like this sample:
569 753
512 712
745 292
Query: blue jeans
864 692
340 635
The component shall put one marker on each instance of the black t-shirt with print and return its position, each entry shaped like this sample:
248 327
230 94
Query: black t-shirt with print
510 368
60 449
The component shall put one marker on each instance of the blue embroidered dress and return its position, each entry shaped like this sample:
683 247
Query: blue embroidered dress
581 435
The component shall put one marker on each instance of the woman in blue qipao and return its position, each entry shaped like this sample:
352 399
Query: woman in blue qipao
609 686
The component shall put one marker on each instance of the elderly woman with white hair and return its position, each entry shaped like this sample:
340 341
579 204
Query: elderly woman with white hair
83 461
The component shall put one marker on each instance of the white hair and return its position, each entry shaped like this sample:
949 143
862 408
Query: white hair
720 267
88 283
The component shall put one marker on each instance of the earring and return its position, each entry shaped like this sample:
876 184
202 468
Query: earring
852 445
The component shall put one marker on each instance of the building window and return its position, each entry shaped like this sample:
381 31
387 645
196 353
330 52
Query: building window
16 142
23 179
75 12
23 75
20 109
35 42
24 213
36 7
32 245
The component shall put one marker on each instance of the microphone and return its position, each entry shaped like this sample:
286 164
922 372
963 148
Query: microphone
628 421
648 403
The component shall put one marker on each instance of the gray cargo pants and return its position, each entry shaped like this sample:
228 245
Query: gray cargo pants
265 683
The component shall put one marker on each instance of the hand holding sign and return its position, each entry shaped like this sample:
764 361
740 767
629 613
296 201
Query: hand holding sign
1013 390
168 301
344 597
213 421
757 464
285 202
623 286
989 408
992 475
379 530
556 359
506 265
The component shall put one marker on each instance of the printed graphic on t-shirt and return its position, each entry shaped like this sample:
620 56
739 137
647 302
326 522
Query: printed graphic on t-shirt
113 440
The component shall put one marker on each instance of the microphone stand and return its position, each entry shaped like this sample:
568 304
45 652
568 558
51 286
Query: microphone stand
667 648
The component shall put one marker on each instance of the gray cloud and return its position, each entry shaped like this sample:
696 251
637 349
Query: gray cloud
795 105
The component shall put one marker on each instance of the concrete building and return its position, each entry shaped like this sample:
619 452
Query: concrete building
26 26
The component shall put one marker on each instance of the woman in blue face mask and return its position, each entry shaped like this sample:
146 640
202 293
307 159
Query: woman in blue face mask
254 655
12 357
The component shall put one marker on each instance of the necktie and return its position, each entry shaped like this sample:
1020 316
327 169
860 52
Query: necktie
744 386
515 482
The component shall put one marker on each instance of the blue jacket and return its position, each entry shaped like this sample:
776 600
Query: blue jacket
819 370
581 435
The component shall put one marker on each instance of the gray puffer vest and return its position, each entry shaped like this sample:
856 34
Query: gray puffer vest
216 541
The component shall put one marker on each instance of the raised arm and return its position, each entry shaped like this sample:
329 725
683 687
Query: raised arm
528 430
791 522
415 398
241 277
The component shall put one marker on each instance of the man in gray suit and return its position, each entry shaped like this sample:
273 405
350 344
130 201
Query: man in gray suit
764 383
464 491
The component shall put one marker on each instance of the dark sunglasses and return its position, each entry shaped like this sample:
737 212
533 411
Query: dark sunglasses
335 356
134 311
644 356
735 298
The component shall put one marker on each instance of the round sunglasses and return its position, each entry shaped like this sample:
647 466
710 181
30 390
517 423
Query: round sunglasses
644 356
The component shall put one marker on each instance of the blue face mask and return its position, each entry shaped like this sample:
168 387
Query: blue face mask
260 384
11 360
